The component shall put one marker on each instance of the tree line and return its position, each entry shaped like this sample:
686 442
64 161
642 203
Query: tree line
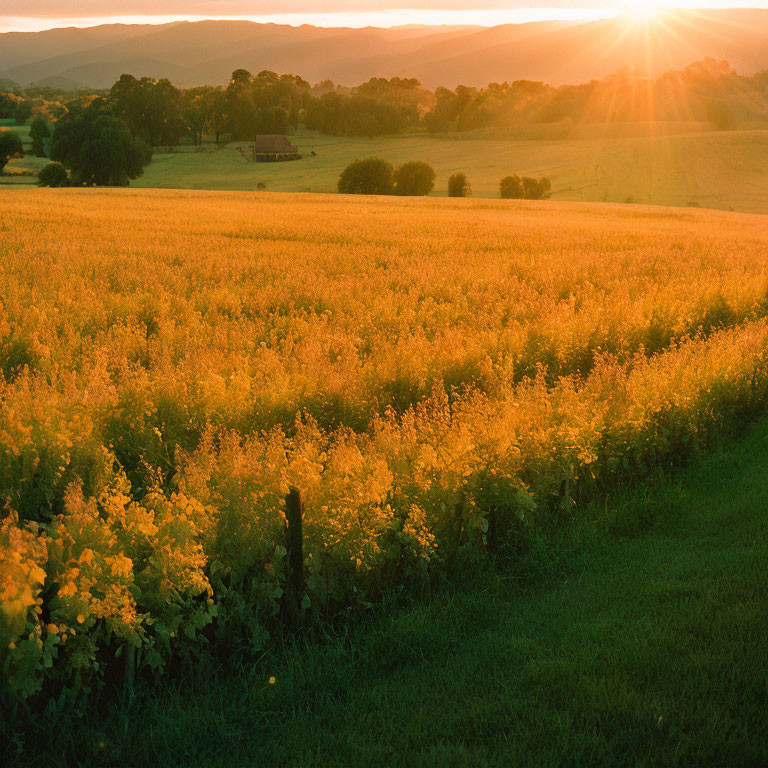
265 103
106 136
707 91
161 114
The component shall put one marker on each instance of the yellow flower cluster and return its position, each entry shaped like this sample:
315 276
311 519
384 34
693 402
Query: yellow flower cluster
22 575
426 373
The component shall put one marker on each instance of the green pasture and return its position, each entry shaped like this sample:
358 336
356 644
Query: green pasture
710 169
681 166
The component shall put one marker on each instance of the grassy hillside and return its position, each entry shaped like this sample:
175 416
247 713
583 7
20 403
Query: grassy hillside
680 165
715 170
635 638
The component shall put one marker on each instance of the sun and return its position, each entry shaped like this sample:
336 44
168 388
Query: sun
638 9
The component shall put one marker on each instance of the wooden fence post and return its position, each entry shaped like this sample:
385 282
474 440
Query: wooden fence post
295 547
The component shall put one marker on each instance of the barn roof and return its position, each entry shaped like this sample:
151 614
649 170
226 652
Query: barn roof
272 142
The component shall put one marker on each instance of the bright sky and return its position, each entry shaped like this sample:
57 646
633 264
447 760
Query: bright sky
45 14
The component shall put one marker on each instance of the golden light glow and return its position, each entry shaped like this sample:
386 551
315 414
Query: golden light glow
638 9
168 11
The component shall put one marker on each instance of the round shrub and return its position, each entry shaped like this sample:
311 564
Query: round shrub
458 186
414 178
53 175
369 176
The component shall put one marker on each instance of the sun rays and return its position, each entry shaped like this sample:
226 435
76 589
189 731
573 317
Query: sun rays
641 11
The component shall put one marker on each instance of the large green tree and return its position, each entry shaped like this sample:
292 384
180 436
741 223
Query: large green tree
152 109
98 147
23 111
39 132
263 103
10 146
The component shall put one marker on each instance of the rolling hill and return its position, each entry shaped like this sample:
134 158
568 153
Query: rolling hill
194 53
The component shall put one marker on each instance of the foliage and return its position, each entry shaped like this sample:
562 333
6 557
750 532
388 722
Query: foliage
511 188
152 109
458 185
705 91
342 115
368 176
263 104
536 190
633 582
53 175
38 132
414 178
8 105
375 108
205 112
23 111
515 188
98 148
10 146
424 378
163 115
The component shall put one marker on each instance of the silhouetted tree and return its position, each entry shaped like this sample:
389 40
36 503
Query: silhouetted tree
10 146
458 186
369 176
414 178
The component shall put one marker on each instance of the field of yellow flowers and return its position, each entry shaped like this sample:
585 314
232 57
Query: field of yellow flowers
435 377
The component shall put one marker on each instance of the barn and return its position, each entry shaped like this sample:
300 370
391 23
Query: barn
269 148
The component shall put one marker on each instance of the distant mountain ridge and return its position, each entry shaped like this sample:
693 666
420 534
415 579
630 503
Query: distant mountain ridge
557 52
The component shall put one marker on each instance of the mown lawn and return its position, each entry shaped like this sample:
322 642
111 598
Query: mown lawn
639 637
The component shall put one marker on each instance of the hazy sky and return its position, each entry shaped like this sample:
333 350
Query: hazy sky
42 14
